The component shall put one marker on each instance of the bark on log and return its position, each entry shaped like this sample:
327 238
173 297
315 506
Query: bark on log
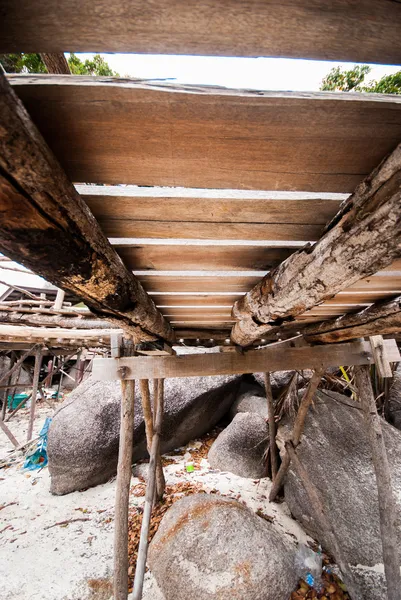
47 227
56 63
380 318
48 320
387 503
364 237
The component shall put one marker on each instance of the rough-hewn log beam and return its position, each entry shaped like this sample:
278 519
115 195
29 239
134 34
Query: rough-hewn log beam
380 318
46 320
364 237
46 226
56 63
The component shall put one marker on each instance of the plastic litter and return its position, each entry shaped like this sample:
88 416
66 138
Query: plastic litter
37 458
308 565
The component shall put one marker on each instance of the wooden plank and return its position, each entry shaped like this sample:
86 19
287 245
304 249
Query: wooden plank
359 31
46 226
382 363
363 238
166 300
109 202
203 258
103 131
167 283
43 333
126 228
253 361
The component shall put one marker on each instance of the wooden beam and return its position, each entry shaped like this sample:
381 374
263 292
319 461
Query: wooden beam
347 31
12 316
253 361
381 317
46 226
386 497
35 385
363 238
202 258
42 333
103 130
272 426
56 63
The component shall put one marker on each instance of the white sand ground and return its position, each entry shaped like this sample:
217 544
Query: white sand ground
37 563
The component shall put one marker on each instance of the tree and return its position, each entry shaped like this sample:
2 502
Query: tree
32 63
353 80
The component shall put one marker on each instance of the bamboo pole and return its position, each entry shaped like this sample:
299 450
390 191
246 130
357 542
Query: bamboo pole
386 499
296 432
149 496
122 491
272 426
324 523
35 384
58 303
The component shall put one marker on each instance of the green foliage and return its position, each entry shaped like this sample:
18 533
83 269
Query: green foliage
22 63
32 63
96 66
345 81
353 79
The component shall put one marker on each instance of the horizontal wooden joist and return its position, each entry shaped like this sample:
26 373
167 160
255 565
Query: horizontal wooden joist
272 358
187 213
363 238
362 31
203 258
45 225
104 130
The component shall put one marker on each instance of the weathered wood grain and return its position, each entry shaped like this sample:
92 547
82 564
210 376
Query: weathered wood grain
347 30
104 131
202 258
252 361
364 238
380 318
46 226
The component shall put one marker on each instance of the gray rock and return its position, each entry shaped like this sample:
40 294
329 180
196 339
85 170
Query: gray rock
250 402
394 401
240 447
335 452
84 434
214 548
280 379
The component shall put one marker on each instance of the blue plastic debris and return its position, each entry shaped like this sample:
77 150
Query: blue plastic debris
37 459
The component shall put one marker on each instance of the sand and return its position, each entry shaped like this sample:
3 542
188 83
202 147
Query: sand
40 561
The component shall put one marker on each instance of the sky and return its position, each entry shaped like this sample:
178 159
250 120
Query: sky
250 73
243 73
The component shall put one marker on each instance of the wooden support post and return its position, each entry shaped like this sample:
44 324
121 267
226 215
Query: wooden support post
35 385
150 491
387 504
18 363
8 433
379 354
158 411
58 303
272 426
124 472
5 401
324 523
296 432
